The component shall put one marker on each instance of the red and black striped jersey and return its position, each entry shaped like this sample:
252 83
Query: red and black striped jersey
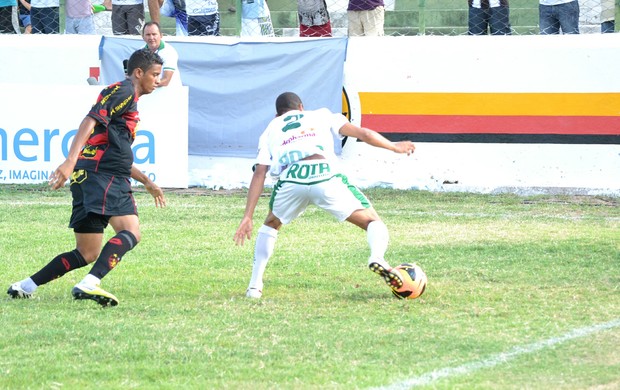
108 148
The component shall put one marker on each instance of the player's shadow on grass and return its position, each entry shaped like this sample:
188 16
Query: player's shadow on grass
365 295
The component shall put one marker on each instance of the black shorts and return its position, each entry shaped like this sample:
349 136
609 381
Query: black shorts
96 198
203 24
127 19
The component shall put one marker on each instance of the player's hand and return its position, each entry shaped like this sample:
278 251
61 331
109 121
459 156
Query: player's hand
404 147
60 175
156 193
244 231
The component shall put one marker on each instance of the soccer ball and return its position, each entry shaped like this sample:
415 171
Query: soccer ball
414 281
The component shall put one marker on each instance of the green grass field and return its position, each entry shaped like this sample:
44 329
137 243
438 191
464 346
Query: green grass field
524 292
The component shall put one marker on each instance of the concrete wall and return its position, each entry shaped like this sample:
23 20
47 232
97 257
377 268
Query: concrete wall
574 72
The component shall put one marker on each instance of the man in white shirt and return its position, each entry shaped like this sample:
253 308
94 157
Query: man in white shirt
299 147
170 75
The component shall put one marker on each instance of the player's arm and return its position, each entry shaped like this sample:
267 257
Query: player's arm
257 185
62 173
373 138
151 187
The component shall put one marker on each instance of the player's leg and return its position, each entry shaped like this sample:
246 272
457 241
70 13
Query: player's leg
104 192
346 202
127 236
57 267
88 230
263 249
378 237
127 228
288 201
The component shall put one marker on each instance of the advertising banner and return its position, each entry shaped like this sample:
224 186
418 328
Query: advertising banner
233 85
38 123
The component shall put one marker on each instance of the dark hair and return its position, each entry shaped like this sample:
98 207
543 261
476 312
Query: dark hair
287 101
151 23
143 59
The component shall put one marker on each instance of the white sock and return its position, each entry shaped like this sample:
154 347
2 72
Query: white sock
263 249
378 238
91 280
28 285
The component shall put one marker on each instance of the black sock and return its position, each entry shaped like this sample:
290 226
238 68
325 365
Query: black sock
59 266
113 252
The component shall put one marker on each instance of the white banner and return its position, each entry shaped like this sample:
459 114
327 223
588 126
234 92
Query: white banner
38 122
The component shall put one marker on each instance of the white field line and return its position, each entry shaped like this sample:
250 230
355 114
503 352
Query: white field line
310 210
494 360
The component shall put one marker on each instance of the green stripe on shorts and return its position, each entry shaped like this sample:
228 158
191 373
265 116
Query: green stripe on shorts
355 191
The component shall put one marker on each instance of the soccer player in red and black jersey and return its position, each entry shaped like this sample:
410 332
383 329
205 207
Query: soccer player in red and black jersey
100 165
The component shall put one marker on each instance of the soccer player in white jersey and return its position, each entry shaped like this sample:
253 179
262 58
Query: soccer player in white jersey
298 147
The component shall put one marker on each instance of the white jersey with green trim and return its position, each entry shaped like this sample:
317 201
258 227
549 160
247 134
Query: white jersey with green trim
298 134
171 59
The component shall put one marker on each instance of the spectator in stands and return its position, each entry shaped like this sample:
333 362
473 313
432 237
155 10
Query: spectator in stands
79 17
608 16
45 16
172 9
203 17
313 18
558 14
170 71
366 17
256 19
127 17
489 16
23 6
6 16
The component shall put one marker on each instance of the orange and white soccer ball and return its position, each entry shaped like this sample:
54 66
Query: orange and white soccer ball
414 281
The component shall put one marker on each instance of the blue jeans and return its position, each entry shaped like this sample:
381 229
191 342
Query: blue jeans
80 25
608 27
565 16
496 19
45 20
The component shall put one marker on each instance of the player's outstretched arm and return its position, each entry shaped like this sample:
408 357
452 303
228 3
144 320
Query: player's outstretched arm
151 187
63 172
373 138
244 231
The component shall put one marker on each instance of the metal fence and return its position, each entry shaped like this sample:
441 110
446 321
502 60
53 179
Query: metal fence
299 18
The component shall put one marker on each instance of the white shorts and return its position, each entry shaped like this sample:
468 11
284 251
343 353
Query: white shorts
366 23
336 196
